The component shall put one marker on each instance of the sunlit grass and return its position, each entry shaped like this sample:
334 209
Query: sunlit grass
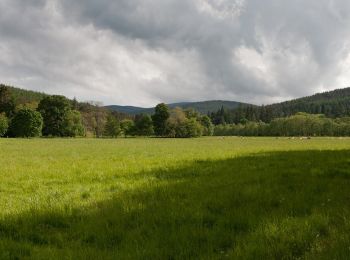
243 198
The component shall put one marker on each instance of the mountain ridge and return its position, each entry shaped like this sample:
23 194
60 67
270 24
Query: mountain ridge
201 106
332 103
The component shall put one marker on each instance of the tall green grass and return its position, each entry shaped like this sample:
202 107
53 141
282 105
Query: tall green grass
208 198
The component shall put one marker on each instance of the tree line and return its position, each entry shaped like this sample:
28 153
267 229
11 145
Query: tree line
165 122
43 115
300 124
57 116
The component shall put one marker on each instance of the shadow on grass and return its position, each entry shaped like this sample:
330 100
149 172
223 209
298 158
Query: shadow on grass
266 206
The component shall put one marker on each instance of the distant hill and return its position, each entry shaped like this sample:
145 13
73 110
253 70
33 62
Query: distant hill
202 107
23 96
333 104
131 110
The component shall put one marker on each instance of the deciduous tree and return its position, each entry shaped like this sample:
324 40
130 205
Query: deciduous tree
26 123
143 125
55 110
159 118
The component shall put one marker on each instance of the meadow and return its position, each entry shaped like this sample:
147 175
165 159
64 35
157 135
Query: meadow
149 198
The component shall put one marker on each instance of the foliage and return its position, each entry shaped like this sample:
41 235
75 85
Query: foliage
7 103
127 127
112 127
26 123
301 124
193 128
23 96
73 124
3 124
143 125
159 118
31 105
183 124
54 110
204 198
208 127
94 118
176 124
192 113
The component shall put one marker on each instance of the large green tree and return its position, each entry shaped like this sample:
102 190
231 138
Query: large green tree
159 118
179 124
55 110
73 124
127 127
112 127
7 103
26 123
143 125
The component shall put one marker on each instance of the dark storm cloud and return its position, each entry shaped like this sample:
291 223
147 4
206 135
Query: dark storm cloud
146 51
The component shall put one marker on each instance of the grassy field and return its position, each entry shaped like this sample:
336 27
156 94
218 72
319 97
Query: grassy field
207 198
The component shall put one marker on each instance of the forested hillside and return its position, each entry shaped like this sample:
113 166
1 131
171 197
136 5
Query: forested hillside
22 96
202 107
332 104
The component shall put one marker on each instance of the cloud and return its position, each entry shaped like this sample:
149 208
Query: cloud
141 52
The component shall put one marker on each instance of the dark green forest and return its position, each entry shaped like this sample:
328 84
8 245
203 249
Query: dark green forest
332 104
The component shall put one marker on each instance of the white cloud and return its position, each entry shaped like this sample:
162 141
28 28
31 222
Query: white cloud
144 52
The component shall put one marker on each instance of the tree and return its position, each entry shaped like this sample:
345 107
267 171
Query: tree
176 123
55 110
73 124
99 117
94 118
112 127
193 128
127 127
179 126
208 128
159 118
7 103
143 125
26 123
3 124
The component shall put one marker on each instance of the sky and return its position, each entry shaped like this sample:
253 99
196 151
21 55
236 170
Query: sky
142 52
